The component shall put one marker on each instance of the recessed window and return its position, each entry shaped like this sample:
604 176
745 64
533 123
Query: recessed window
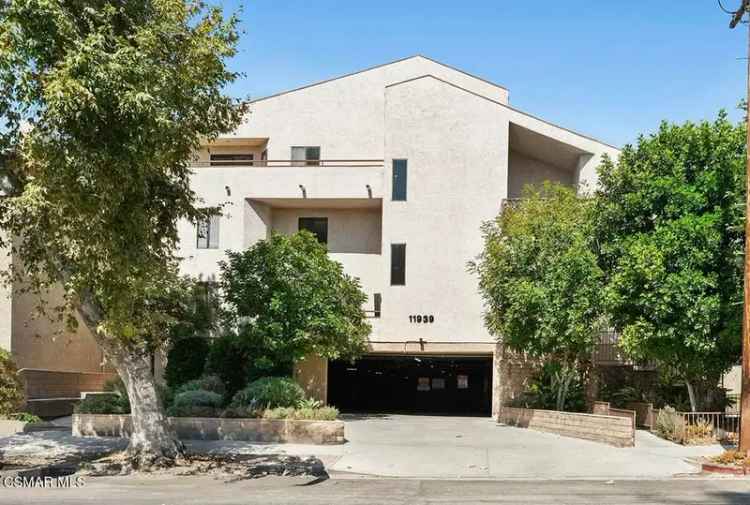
232 159
398 264
318 226
208 233
305 155
399 181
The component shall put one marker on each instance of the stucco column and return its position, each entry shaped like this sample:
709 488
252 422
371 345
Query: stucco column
312 374
498 379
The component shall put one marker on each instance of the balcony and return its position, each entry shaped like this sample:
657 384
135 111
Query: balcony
298 183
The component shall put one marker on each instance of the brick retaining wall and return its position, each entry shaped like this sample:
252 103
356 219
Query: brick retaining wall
613 430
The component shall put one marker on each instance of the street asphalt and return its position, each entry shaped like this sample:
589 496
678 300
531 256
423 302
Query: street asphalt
203 490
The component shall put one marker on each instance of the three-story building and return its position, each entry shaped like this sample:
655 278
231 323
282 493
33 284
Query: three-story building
394 168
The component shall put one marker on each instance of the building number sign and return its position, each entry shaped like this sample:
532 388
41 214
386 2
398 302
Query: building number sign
422 318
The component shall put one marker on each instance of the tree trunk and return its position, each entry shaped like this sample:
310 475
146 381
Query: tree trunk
153 442
691 394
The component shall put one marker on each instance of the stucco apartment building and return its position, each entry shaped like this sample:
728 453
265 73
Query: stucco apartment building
395 168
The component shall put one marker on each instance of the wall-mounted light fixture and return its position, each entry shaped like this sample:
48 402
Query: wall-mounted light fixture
228 190
304 191
369 191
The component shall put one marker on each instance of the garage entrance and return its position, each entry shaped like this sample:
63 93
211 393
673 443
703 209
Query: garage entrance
412 384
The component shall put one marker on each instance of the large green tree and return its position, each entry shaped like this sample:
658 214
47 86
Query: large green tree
285 299
669 222
540 279
103 105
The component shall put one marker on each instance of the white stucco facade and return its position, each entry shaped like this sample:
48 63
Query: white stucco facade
467 150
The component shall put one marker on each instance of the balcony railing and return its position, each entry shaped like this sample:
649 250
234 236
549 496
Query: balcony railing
608 352
289 163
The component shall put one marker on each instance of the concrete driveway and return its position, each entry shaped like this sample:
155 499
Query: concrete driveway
473 447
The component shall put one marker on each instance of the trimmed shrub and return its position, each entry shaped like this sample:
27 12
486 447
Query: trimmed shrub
11 387
186 359
195 403
270 392
103 404
206 383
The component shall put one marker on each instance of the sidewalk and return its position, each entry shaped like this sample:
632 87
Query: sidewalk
427 447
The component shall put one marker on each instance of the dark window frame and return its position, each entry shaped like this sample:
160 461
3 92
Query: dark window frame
231 159
399 180
308 160
398 271
311 229
213 231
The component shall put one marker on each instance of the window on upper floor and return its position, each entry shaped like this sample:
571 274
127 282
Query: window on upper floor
318 226
399 181
208 233
232 159
305 155
398 264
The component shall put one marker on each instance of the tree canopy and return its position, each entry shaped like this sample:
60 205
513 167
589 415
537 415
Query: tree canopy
287 299
669 224
539 276
103 105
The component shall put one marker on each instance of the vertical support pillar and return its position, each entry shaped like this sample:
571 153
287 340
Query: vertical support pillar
498 379
312 374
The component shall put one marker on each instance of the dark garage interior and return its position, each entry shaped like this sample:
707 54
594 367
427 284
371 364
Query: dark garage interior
412 384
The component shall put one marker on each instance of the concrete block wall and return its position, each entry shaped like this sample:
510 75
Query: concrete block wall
617 431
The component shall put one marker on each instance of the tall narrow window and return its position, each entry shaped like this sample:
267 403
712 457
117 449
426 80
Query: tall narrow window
318 226
305 155
399 181
398 264
208 233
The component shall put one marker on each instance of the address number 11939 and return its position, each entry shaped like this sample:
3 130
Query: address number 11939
422 318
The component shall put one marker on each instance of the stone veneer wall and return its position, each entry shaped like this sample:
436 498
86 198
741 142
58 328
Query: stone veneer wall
511 375
617 431
214 428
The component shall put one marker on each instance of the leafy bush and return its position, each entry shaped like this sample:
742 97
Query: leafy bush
104 404
552 384
270 392
278 413
241 359
309 403
670 425
241 412
195 403
11 387
211 383
186 360
25 417
316 414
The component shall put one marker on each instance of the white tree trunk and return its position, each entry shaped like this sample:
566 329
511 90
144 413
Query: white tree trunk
153 441
691 395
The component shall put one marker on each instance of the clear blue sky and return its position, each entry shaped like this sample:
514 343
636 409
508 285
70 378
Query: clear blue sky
610 69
